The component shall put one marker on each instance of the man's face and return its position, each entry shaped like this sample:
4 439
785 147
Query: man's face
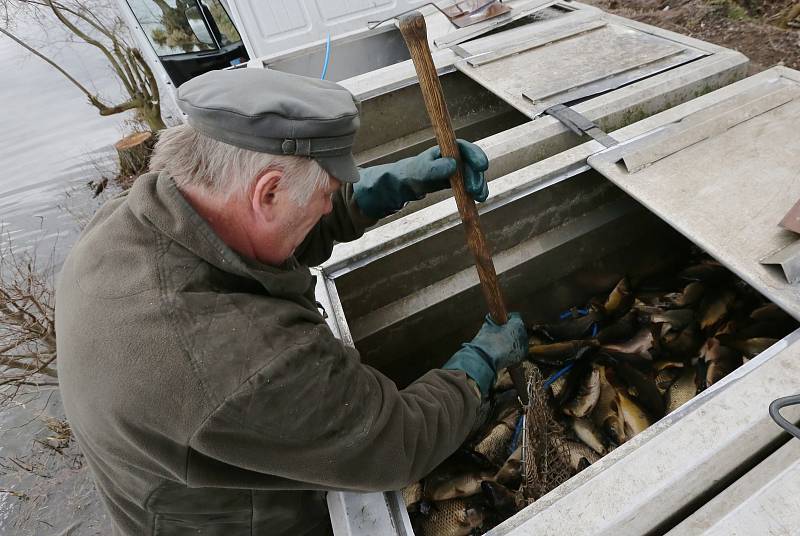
301 219
282 224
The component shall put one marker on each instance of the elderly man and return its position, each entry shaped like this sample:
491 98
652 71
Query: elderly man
199 377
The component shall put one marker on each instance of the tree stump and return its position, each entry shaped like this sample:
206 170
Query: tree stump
134 156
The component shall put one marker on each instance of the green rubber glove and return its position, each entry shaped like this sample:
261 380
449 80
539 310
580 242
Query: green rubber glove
385 189
493 348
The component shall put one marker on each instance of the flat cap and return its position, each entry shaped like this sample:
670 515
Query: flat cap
278 113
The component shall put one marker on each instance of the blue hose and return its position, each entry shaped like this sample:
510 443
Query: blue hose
557 375
327 57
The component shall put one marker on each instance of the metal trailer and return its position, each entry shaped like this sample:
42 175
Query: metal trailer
718 171
501 74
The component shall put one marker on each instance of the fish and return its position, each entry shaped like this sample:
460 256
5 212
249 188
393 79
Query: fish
634 417
495 445
760 329
640 344
681 344
587 396
666 375
454 517
460 475
749 347
620 299
557 353
412 494
571 328
731 326
682 390
688 297
642 387
441 487
580 455
772 313
510 475
570 383
558 386
691 295
606 414
586 431
715 309
500 498
623 329
677 319
720 360
707 271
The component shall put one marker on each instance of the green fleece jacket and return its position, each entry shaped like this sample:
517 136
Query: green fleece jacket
207 392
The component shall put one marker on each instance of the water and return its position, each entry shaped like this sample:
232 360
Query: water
52 142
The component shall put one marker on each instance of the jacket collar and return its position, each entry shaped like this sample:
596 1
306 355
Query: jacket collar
156 199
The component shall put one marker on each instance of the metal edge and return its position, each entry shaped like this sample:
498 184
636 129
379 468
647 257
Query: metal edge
443 215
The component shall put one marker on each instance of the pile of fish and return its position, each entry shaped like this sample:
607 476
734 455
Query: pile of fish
612 367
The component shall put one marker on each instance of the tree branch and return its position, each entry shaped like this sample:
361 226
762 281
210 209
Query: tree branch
48 60
111 110
88 17
13 362
151 78
94 42
140 83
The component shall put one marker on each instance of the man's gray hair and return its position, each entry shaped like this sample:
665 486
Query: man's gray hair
193 159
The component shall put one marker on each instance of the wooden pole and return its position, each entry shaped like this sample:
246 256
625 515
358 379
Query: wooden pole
414 31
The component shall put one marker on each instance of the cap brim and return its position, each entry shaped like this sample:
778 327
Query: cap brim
342 167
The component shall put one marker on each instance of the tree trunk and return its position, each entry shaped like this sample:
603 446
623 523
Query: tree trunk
134 156
152 116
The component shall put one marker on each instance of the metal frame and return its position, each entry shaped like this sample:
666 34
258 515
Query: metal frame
728 421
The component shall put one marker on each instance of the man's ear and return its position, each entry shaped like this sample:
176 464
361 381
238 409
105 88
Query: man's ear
265 189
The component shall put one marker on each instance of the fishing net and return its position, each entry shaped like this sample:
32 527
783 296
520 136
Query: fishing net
545 451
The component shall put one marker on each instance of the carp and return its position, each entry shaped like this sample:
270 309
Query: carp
682 390
495 445
634 418
580 455
620 299
623 329
586 431
715 309
510 475
749 347
588 394
453 517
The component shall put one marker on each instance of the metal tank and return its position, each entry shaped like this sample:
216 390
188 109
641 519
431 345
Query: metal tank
500 77
719 172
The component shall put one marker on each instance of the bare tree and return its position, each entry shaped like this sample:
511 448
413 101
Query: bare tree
95 23
27 324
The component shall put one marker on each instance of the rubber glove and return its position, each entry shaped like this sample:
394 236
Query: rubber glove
493 348
385 189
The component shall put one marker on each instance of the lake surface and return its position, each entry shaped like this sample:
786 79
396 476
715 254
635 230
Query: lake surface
52 142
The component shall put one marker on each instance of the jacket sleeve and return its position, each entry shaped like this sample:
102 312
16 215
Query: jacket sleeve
315 414
346 222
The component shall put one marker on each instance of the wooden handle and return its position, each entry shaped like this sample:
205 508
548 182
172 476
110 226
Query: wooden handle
414 31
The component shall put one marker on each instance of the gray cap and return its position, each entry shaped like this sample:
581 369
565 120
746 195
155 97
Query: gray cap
278 113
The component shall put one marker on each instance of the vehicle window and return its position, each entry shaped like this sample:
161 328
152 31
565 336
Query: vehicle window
226 31
173 26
